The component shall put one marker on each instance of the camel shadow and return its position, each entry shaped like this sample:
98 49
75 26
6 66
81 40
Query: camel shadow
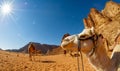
48 61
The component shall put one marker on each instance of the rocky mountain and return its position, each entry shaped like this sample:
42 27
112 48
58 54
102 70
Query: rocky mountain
43 47
0 49
105 22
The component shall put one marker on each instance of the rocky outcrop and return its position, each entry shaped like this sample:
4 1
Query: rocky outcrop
106 22
111 9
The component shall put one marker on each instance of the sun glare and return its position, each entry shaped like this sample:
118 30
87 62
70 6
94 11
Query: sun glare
6 9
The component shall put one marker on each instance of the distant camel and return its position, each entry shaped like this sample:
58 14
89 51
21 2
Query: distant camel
32 51
92 45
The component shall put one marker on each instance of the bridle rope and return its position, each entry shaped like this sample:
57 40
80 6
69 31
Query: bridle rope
79 50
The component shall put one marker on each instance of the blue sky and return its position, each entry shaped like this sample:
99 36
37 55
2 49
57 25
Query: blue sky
44 21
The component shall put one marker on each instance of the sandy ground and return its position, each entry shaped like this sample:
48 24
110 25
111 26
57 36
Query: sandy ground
10 61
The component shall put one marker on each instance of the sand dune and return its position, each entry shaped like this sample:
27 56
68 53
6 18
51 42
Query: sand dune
10 61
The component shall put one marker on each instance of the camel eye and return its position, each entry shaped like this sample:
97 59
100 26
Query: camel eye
83 36
66 40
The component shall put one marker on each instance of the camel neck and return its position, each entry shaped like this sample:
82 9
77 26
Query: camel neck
101 61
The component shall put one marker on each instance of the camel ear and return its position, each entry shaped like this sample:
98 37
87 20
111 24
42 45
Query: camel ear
92 31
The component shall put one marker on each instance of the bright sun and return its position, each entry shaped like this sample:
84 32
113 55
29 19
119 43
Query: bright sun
6 9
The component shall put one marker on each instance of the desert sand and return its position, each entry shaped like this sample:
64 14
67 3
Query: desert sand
10 61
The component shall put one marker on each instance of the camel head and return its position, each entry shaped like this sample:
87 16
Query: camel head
68 41
86 40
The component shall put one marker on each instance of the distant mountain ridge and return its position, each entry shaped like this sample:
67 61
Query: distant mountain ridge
0 49
43 47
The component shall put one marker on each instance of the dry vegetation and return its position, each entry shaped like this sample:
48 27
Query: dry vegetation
10 61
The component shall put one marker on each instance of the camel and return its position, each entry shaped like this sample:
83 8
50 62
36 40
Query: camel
92 45
32 51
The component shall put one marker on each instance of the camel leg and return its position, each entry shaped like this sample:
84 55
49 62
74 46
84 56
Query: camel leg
30 56
33 58
34 55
